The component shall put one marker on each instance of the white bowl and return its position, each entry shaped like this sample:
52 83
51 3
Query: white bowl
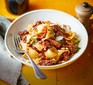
46 15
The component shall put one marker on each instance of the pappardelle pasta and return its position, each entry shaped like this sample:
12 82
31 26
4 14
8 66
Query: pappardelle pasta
49 43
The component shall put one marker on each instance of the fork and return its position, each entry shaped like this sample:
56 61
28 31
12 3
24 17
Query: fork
39 74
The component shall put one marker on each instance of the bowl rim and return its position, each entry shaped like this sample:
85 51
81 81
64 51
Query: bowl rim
52 66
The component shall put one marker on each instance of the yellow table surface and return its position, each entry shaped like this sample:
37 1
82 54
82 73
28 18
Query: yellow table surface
78 73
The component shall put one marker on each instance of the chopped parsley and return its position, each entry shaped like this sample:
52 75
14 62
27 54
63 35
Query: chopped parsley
34 39
78 48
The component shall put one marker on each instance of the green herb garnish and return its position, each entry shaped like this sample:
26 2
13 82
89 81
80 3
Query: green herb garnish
34 39
51 31
78 48
38 56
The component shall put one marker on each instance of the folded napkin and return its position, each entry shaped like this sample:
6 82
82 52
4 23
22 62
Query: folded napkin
10 69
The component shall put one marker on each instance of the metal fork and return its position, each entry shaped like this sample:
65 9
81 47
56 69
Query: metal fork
39 74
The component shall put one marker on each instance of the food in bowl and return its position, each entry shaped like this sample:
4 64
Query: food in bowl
49 43
54 16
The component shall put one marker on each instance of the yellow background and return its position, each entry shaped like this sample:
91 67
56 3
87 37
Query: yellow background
78 73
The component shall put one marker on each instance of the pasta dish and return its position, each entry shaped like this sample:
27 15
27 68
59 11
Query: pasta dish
49 43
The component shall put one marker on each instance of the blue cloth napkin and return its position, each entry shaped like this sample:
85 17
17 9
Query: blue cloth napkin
10 69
